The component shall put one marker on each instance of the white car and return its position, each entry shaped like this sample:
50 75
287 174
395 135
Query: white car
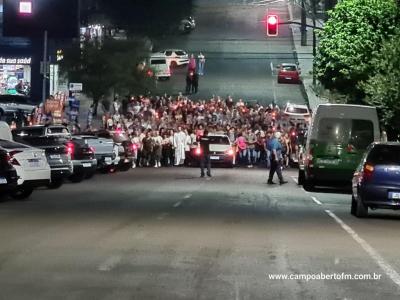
297 112
30 163
175 57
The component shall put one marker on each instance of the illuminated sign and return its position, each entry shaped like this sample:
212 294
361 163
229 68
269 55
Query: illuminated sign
15 60
25 7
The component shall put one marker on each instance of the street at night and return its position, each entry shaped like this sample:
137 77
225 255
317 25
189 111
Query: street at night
168 234
199 149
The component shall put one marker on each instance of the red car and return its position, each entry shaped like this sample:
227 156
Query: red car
289 73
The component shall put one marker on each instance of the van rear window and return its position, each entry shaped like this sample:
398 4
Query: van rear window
158 62
359 133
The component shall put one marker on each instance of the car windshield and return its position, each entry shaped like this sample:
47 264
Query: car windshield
385 155
180 53
223 140
56 130
359 133
43 141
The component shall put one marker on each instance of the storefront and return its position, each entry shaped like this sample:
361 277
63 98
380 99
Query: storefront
15 75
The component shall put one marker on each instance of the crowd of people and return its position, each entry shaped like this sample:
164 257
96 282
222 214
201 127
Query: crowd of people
164 129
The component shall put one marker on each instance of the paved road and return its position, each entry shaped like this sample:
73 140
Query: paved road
168 234
240 60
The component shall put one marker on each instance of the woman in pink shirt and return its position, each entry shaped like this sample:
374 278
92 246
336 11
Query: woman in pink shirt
242 147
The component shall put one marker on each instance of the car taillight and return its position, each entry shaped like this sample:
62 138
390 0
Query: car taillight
198 151
70 149
367 172
309 158
11 159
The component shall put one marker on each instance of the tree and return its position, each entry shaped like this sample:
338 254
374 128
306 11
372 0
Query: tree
354 31
102 66
383 87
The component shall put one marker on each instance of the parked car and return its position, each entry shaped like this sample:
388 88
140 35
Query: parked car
174 57
221 151
105 151
8 175
297 112
288 73
125 146
376 181
57 155
12 104
82 157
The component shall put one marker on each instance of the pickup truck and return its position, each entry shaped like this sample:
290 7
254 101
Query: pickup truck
105 151
81 155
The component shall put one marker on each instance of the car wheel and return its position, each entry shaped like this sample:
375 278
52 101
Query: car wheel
21 193
55 184
300 177
77 177
361 209
353 205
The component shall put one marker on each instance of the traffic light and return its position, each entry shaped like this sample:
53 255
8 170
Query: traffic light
272 25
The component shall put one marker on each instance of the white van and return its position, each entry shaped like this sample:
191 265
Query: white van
160 67
338 137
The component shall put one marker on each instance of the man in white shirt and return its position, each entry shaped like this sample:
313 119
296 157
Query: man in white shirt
179 146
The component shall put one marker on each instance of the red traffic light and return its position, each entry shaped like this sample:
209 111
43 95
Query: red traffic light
272 25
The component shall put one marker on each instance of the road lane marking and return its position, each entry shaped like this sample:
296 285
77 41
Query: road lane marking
272 69
386 267
162 216
177 203
187 196
316 200
109 264
295 179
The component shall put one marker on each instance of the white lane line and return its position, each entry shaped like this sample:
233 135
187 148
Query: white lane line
109 264
386 267
316 200
272 69
177 203
187 196
295 179
162 216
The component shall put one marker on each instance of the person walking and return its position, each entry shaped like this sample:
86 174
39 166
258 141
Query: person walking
205 154
276 159
201 60
195 83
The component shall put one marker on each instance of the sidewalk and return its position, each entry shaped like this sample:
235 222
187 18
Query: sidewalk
304 54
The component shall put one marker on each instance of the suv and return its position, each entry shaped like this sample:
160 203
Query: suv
12 104
175 57
57 155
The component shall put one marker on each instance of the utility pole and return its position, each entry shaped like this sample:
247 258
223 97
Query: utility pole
303 27
44 67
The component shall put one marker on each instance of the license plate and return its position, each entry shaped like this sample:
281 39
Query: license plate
394 195
214 157
288 78
328 161
107 159
3 180
86 165
55 156
33 163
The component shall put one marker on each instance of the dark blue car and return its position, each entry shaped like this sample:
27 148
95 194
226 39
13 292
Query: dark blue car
376 181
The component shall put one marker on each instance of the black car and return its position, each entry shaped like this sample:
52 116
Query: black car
8 175
57 155
14 104
83 159
376 181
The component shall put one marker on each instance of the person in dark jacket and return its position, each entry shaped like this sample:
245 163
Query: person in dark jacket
205 154
195 83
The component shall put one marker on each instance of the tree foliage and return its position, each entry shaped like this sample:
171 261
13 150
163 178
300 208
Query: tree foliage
105 66
383 87
355 30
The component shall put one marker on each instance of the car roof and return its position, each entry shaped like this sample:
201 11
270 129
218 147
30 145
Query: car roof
288 64
297 105
174 50
387 143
